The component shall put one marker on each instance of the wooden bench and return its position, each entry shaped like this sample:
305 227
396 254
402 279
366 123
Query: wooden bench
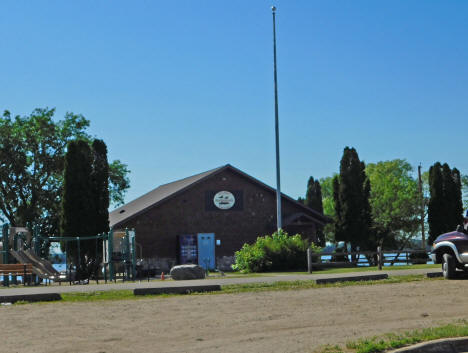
24 270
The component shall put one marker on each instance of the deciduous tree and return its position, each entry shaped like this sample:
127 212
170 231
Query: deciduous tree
395 200
32 150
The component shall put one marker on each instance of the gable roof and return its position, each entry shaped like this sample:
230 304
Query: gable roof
166 191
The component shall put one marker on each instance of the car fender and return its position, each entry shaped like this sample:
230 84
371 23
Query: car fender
451 246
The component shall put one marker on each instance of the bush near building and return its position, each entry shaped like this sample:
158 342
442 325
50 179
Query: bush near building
276 252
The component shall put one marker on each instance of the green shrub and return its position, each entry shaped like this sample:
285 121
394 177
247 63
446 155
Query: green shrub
276 252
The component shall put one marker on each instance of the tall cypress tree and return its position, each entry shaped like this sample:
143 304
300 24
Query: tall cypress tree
314 195
436 212
100 179
445 209
100 183
78 209
448 188
457 197
339 234
351 192
314 201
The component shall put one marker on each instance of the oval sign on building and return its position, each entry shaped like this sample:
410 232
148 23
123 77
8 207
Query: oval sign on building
224 200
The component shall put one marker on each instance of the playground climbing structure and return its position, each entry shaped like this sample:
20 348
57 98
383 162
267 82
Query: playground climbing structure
23 245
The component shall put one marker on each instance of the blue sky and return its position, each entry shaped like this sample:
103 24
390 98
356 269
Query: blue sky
180 87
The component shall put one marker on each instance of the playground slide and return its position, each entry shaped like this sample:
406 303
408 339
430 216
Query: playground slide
39 268
47 265
22 259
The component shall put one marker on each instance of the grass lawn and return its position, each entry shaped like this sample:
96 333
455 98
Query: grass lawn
393 341
332 270
238 288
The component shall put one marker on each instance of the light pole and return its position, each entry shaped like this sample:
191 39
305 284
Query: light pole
278 184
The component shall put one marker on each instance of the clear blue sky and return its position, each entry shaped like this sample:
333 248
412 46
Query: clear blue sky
180 87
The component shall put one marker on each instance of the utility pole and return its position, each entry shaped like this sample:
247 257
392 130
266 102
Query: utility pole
422 207
278 187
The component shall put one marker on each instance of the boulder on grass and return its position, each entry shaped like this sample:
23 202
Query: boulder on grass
182 272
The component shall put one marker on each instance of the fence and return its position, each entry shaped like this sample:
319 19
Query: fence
364 258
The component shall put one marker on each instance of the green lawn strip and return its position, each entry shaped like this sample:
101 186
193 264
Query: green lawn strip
391 341
237 288
269 274
117 294
374 268
308 284
334 270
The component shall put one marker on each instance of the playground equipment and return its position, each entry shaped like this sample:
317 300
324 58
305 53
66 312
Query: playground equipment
120 248
118 251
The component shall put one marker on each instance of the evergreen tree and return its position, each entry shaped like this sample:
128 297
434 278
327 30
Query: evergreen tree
448 199
436 211
456 197
314 195
339 236
351 193
314 201
445 209
78 208
100 179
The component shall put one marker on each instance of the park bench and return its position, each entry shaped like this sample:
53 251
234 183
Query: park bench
24 270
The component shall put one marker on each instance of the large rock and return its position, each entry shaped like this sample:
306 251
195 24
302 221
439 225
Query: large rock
182 272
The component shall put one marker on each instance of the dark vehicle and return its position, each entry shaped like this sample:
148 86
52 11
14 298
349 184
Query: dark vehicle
451 250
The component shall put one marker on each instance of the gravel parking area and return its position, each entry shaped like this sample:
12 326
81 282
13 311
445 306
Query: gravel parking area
281 321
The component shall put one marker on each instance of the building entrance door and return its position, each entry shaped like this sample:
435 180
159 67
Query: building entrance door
206 250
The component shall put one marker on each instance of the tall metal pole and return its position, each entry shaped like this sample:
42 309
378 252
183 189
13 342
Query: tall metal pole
278 184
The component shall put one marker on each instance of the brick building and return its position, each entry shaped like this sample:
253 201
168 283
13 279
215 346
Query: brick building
205 218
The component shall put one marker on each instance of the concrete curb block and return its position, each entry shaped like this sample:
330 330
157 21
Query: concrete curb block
351 278
177 290
433 274
46 297
445 345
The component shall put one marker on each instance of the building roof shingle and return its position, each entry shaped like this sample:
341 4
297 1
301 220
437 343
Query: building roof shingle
166 191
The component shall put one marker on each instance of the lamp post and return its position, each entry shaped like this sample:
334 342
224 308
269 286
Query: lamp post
278 184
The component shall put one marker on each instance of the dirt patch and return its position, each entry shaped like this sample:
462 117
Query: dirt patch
284 321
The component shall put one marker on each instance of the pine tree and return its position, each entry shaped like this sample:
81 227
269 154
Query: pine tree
457 197
314 201
100 179
314 195
78 209
100 182
445 209
351 193
435 216
453 197
339 235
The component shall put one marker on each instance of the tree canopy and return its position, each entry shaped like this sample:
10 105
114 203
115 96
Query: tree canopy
394 200
32 150
328 202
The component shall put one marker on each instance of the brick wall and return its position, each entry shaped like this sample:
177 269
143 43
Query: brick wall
187 213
